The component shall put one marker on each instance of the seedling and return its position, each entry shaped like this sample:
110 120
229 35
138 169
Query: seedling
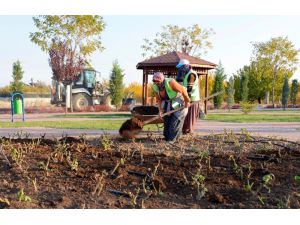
22 197
105 142
266 180
133 197
261 199
248 186
100 183
74 164
297 178
35 185
199 179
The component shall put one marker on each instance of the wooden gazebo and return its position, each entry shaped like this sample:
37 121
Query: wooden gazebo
167 65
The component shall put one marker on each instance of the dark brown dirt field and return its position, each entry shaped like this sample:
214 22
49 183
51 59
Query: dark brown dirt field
216 171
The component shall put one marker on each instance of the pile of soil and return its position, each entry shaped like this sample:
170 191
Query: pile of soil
215 171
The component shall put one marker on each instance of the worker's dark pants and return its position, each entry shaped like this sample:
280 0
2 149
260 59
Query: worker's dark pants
173 125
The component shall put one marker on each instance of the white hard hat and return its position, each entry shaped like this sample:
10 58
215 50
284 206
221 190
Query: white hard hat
182 62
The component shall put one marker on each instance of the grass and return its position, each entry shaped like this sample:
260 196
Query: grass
95 116
88 124
254 117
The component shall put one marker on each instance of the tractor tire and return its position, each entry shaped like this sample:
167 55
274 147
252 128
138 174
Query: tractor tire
81 101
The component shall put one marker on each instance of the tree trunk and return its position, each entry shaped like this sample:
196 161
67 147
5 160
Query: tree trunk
71 98
66 96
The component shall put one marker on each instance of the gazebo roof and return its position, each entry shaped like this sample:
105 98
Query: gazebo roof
171 60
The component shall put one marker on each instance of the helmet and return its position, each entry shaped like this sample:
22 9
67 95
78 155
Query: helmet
182 62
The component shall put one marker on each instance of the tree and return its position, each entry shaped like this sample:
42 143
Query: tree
65 65
285 93
237 88
280 58
134 89
116 85
191 40
220 77
244 73
73 38
17 85
81 33
294 92
230 93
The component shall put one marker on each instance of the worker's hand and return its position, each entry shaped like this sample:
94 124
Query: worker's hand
160 111
186 105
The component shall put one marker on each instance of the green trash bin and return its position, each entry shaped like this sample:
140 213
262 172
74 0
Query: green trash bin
18 108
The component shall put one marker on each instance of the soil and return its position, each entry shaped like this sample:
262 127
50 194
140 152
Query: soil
215 171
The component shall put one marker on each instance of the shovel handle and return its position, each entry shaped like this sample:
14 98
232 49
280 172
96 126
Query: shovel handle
175 110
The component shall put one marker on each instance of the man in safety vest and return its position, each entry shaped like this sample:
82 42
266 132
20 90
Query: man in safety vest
188 78
171 95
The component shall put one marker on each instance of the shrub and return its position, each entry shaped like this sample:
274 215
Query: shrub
247 107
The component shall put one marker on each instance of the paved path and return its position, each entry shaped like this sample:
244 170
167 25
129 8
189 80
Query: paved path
290 131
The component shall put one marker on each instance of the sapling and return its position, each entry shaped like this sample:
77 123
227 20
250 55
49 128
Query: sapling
22 197
266 180
199 179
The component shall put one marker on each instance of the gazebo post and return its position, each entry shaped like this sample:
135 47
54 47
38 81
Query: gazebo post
206 92
143 91
146 88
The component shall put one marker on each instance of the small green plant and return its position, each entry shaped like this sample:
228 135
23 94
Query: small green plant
247 107
261 199
22 197
297 178
266 180
105 142
74 164
198 180
248 186
133 197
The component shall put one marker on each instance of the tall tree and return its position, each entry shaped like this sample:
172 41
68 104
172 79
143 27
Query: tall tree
230 93
73 36
294 92
280 56
191 40
116 85
237 88
285 93
81 33
17 85
244 73
220 77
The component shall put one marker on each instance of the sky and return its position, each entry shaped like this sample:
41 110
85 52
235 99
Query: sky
123 37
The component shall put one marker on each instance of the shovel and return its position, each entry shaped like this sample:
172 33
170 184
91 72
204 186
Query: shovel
143 123
130 128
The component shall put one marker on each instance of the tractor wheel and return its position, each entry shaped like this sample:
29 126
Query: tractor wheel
81 101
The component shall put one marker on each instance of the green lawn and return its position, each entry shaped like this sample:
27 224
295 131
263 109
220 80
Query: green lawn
95 116
255 117
87 124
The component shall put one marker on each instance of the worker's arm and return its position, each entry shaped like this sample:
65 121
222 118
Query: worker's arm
158 100
191 80
180 89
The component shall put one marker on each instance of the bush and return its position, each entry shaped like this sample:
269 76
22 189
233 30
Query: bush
247 107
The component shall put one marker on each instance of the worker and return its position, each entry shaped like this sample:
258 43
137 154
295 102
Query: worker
189 79
170 95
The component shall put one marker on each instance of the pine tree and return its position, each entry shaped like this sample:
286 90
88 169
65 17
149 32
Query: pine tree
116 85
244 83
294 91
230 93
17 85
220 76
285 92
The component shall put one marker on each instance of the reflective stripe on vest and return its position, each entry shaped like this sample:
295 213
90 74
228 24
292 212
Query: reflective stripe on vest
195 95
